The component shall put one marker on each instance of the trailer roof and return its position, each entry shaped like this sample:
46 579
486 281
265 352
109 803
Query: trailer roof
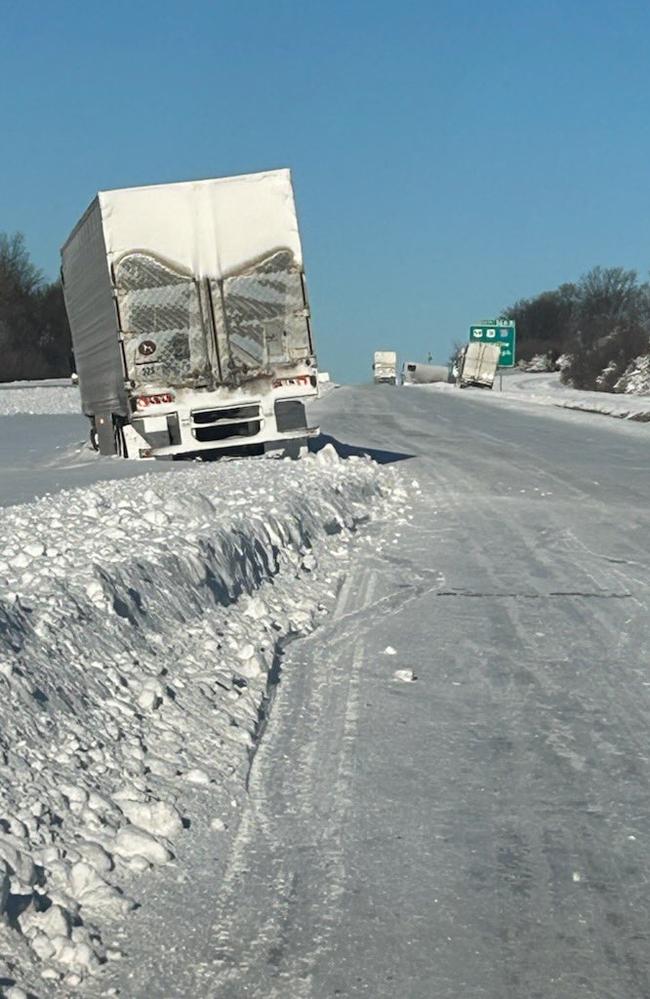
207 181
209 227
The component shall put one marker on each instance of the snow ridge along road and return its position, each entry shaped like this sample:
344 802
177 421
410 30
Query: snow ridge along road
139 624
546 389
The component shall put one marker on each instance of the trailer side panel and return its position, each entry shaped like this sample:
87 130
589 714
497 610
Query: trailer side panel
91 311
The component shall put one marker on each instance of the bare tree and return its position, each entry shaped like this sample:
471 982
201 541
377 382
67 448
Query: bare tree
34 332
18 275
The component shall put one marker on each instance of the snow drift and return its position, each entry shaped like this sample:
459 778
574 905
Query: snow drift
139 623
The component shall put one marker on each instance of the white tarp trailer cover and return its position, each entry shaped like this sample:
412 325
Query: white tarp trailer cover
189 290
415 373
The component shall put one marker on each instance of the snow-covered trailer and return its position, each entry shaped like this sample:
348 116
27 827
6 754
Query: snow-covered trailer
189 317
414 373
384 367
479 363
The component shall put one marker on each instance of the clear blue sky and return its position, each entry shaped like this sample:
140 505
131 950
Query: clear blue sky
448 157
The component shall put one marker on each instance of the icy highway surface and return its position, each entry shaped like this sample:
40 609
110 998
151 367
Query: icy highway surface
449 796
485 829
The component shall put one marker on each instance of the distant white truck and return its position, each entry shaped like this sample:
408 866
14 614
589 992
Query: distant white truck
478 364
384 367
189 318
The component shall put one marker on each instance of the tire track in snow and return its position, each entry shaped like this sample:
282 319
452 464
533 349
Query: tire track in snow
261 821
323 701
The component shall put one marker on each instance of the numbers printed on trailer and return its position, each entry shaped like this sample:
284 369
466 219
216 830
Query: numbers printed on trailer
146 370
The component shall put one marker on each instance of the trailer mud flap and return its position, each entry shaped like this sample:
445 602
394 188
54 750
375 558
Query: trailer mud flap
290 415
105 433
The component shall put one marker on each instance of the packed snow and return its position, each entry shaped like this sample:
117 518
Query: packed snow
141 623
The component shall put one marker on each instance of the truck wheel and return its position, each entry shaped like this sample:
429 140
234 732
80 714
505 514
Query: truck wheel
118 436
94 440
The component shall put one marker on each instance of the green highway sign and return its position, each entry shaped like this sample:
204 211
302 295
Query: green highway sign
501 331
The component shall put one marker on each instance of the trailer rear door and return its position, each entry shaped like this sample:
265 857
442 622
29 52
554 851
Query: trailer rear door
164 335
261 317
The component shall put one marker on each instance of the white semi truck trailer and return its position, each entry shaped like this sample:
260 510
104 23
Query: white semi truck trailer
189 318
384 367
478 364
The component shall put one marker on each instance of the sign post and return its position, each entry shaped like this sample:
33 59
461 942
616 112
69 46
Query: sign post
501 331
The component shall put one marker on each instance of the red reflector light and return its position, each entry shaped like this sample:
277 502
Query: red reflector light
295 380
154 400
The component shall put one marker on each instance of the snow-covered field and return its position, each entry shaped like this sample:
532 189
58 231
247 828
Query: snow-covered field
56 396
545 389
141 628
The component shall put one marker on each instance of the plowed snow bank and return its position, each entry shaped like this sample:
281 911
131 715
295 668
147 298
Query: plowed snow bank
138 624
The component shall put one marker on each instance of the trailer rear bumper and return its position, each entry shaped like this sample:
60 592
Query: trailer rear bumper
246 426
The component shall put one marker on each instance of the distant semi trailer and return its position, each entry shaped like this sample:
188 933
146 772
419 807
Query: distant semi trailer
414 373
478 365
384 367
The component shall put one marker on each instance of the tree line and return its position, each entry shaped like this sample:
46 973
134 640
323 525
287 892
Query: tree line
596 328
34 333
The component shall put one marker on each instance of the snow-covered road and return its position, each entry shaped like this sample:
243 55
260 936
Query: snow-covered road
481 831
450 795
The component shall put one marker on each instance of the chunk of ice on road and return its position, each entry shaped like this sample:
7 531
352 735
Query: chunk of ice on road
15 992
131 842
95 855
327 455
197 776
390 651
156 817
404 675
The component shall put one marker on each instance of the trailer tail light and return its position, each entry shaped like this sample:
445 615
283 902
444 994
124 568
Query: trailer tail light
294 380
154 400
